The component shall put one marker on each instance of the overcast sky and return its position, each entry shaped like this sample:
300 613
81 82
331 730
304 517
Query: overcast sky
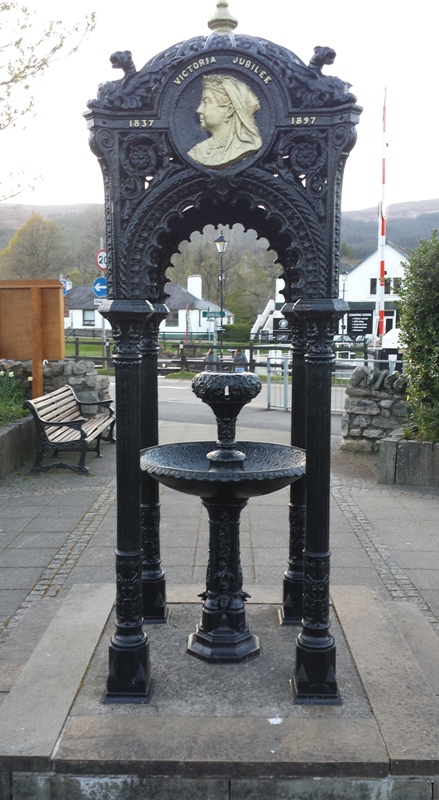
378 43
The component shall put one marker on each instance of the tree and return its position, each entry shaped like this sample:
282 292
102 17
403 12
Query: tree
419 322
27 48
35 251
249 270
82 235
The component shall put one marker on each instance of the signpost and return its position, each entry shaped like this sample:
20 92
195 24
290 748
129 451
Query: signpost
213 314
101 259
100 290
100 287
360 323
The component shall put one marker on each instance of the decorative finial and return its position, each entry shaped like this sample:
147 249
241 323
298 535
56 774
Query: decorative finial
222 21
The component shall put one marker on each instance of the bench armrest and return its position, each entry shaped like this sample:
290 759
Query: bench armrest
76 425
105 403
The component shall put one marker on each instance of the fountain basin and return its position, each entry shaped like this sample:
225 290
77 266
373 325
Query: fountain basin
186 467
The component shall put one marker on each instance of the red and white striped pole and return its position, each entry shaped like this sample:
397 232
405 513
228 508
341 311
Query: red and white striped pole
382 218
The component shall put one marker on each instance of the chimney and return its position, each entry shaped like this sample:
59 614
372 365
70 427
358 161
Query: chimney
194 286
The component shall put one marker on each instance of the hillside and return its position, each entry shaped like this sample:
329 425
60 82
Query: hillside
396 211
407 223
13 215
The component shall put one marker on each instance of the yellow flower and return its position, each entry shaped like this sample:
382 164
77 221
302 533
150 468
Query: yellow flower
2 372
30 378
11 374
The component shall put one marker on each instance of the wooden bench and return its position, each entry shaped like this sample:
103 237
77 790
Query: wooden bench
61 425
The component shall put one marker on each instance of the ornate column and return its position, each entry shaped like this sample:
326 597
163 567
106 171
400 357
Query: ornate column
292 606
129 678
223 634
155 609
315 671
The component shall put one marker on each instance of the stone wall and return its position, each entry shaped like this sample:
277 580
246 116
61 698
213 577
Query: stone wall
375 408
81 375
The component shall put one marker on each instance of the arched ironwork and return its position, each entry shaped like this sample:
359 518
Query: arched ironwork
219 130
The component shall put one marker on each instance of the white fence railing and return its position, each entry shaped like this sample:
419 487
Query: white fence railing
279 380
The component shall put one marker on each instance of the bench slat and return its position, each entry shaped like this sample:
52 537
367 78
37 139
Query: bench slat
53 397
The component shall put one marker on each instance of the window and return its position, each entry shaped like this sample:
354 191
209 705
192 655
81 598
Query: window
387 286
171 320
373 286
88 318
397 285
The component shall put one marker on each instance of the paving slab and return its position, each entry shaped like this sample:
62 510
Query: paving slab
19 646
403 702
209 747
35 710
421 638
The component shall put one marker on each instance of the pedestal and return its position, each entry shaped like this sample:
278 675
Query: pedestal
223 635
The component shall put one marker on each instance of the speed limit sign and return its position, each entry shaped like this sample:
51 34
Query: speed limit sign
101 259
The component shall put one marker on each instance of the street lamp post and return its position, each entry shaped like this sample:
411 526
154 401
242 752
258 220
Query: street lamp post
343 276
221 245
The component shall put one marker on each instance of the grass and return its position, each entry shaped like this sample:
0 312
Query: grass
185 375
91 349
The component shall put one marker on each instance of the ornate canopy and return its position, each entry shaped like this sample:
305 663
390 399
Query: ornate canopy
289 133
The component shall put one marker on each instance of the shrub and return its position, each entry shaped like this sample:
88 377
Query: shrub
12 393
237 333
419 322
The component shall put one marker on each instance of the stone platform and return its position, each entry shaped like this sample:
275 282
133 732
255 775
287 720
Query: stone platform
217 731
221 731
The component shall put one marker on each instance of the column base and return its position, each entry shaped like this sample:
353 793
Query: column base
129 678
223 645
291 612
314 681
156 611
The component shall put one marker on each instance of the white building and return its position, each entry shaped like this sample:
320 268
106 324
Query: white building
186 307
188 311
271 323
360 287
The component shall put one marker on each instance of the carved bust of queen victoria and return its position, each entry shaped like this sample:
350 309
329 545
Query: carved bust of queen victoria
226 111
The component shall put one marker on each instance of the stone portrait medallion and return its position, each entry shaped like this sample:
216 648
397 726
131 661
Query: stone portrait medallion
227 112
219 118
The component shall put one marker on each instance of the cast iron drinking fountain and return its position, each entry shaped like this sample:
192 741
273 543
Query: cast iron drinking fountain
225 474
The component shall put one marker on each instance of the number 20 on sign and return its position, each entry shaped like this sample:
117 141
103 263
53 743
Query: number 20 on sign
101 259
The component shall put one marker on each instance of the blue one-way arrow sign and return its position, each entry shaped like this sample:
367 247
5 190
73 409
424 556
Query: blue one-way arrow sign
100 287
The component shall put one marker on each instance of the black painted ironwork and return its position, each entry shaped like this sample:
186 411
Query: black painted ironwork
292 603
224 474
129 678
315 670
164 179
155 608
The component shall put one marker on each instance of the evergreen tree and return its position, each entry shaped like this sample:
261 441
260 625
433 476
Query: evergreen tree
419 322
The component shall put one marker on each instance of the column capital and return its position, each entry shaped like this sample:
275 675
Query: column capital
125 309
313 308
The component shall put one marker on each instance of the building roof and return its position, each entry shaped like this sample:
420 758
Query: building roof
180 298
372 252
83 297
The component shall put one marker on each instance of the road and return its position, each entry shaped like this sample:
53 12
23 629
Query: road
177 402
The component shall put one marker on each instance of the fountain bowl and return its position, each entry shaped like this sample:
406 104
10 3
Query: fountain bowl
185 466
